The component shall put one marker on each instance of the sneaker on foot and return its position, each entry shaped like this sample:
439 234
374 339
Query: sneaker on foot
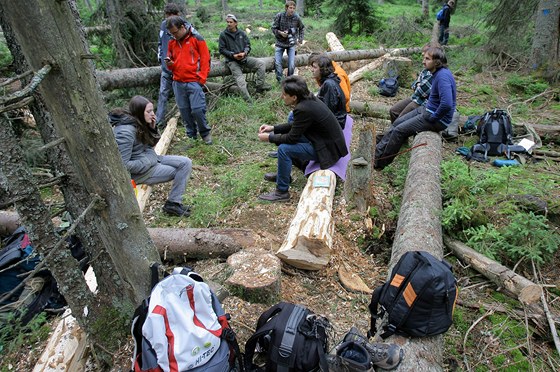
386 356
207 139
273 154
276 196
176 209
271 177
350 357
263 88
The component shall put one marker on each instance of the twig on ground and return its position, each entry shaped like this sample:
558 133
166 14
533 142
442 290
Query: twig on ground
465 360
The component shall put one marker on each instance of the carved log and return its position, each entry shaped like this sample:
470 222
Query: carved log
146 76
357 188
419 228
514 284
66 348
359 73
309 240
161 148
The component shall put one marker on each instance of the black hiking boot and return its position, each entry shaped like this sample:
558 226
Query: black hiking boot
176 209
350 357
383 355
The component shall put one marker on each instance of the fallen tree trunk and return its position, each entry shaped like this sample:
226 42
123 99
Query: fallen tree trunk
419 228
161 148
145 76
359 73
544 130
514 284
334 44
310 235
374 110
178 244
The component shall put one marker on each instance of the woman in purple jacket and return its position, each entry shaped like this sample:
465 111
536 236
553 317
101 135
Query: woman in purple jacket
435 116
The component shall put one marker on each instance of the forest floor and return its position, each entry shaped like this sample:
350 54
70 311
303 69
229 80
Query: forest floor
478 348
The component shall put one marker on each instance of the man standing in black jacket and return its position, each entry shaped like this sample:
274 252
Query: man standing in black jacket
235 46
444 23
314 135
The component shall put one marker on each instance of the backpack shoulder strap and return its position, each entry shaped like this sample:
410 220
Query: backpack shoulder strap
288 338
373 305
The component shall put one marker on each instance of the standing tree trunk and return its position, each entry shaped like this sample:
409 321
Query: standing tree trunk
71 95
545 53
426 9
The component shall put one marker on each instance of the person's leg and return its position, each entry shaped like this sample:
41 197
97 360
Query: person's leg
183 103
278 52
396 110
445 36
260 67
197 101
409 108
291 60
441 34
286 152
183 170
165 88
237 72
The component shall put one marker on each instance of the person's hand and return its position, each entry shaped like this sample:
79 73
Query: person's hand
283 33
168 61
266 128
264 137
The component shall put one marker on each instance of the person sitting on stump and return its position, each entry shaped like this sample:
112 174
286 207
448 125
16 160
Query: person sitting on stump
234 44
136 135
315 134
435 116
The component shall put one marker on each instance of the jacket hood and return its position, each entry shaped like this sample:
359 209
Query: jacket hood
333 76
121 118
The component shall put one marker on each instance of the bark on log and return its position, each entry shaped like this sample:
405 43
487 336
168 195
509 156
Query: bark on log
180 244
256 276
419 228
357 188
514 284
310 235
374 110
161 148
359 73
146 76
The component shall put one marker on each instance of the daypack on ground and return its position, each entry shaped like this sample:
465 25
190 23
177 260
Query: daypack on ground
292 338
38 293
388 87
496 134
183 327
419 297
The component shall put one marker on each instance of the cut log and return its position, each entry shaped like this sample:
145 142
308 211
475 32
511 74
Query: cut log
359 73
419 228
545 130
310 235
256 276
146 76
357 188
179 244
351 281
334 44
513 284
374 110
66 348
161 148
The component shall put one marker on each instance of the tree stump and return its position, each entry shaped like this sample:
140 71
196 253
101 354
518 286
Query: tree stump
256 276
357 188
401 67
419 228
310 235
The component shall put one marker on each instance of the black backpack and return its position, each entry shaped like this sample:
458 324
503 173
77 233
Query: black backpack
419 297
496 134
293 338
389 87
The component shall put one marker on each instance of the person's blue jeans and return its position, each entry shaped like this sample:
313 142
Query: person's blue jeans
414 122
302 150
291 51
443 35
165 88
192 105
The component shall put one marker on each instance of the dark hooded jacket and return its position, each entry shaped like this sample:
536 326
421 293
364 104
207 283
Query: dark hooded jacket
332 95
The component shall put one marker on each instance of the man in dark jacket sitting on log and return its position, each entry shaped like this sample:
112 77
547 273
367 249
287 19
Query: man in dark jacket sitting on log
314 135
235 46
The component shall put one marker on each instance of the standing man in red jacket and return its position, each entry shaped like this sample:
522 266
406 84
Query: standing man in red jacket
188 59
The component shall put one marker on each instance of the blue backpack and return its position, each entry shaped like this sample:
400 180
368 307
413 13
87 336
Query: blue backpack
439 15
388 87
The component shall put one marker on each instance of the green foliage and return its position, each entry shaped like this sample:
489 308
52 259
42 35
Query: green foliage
354 17
14 336
526 85
5 55
202 14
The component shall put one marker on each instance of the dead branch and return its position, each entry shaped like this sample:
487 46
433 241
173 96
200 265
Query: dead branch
29 89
